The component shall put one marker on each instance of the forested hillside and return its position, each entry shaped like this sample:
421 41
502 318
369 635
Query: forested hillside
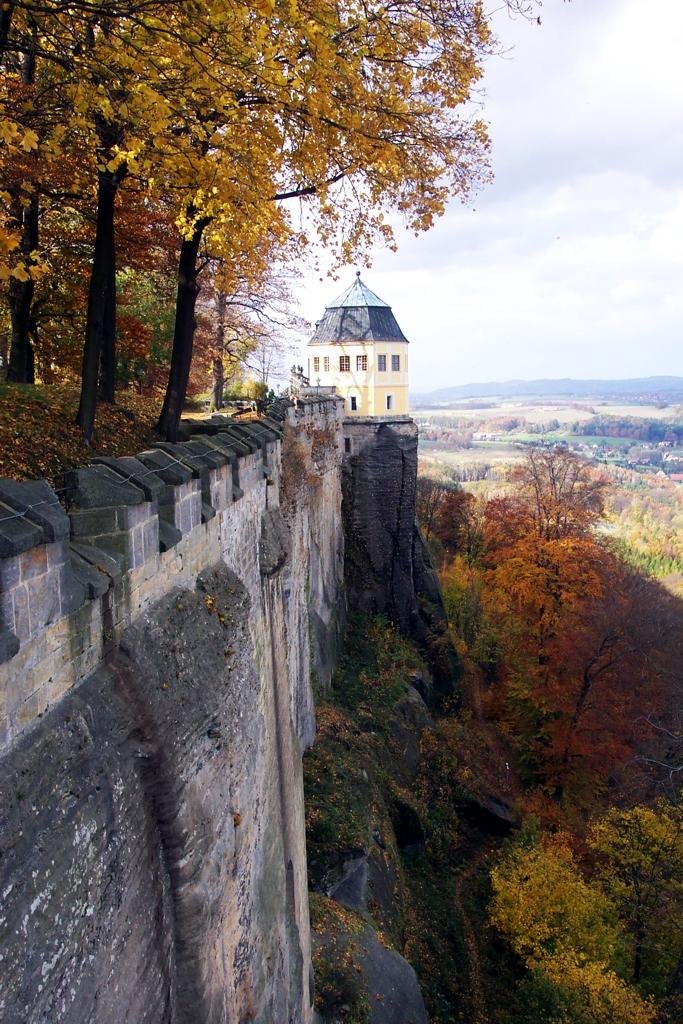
640 386
527 855
541 879
577 657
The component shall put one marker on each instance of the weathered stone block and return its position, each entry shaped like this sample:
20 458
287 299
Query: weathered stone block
133 470
58 553
22 622
241 434
17 534
169 535
233 442
91 523
218 444
100 487
9 645
219 481
10 572
98 559
95 582
167 468
136 549
150 538
211 457
34 562
186 506
116 545
43 600
7 609
73 591
135 515
36 500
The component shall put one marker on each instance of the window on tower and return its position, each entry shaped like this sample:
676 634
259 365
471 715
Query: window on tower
390 401
361 362
326 364
316 364
354 403
381 363
344 364
395 362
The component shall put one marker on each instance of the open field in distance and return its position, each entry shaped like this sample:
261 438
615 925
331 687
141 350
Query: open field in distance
644 513
541 412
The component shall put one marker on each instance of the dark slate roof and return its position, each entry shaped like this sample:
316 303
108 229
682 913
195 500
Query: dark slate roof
357 315
358 295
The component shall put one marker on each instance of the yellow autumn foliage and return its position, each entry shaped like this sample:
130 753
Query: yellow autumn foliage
562 926
640 867
602 996
228 109
544 908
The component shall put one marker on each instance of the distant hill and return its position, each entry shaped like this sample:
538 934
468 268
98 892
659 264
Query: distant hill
668 388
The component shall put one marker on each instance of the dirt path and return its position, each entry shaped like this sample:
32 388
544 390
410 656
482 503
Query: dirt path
496 770
476 982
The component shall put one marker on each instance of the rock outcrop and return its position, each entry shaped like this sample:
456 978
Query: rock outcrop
388 568
393 993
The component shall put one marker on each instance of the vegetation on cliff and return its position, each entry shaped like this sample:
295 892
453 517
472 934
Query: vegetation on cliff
580 660
393 796
537 861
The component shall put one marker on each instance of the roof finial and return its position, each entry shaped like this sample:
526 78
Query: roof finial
358 273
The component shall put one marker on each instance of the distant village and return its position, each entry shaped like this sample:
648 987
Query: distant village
625 440
665 456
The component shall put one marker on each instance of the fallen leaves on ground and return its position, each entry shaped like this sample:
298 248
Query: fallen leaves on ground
40 440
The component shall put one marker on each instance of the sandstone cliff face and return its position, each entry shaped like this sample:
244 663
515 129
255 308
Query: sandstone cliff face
379 509
153 853
388 569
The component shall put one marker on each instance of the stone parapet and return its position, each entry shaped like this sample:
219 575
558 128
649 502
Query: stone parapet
359 430
74 575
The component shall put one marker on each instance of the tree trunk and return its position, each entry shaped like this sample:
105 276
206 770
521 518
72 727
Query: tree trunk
107 372
218 374
21 359
6 13
100 327
106 386
183 334
217 384
638 952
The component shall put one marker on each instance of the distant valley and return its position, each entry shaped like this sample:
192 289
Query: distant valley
635 438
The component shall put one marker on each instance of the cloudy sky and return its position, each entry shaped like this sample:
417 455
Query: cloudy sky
571 262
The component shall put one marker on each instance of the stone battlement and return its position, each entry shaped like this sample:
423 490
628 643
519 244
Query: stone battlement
74 575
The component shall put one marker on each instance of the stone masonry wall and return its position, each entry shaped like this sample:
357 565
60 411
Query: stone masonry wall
157 647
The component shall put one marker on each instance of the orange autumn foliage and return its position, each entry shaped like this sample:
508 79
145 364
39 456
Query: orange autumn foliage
583 650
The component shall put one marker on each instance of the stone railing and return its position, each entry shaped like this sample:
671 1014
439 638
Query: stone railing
75 573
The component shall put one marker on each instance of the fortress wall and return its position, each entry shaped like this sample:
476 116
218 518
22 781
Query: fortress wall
157 648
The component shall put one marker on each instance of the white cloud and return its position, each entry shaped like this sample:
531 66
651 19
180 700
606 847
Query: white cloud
571 263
